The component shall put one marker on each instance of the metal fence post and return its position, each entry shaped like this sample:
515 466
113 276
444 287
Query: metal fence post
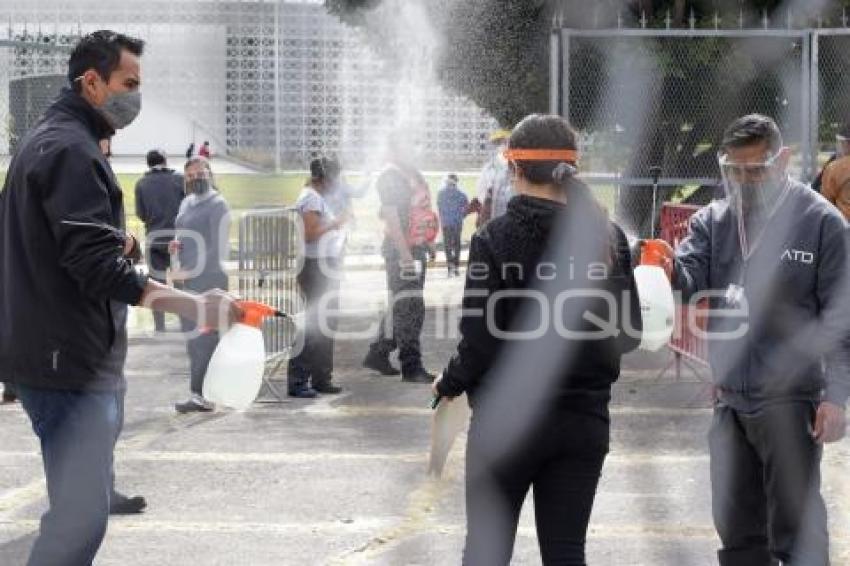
815 102
556 67
565 74
806 127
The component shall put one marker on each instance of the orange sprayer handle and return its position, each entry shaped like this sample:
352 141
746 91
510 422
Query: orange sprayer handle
254 313
656 252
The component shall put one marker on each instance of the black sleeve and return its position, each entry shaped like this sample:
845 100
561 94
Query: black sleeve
478 347
76 202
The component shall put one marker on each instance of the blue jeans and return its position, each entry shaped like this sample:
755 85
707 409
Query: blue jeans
77 431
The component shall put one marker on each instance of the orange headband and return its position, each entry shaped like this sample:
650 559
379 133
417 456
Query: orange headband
570 155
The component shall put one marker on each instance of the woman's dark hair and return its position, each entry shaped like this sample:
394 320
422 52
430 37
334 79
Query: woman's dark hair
324 169
549 131
101 51
542 131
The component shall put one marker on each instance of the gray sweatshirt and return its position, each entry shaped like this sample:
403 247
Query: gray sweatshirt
203 229
789 341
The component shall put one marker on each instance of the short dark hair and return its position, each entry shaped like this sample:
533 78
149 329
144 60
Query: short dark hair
752 129
101 51
156 157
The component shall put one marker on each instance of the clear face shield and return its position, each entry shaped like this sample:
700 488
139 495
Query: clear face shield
754 190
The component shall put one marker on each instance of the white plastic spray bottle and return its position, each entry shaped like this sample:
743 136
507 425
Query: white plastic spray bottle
235 372
657 305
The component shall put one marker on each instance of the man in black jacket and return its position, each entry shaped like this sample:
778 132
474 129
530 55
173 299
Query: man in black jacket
66 279
158 197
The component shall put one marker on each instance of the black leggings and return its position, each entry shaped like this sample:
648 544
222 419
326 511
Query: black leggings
562 460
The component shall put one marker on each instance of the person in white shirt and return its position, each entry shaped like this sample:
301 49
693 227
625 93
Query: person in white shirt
311 371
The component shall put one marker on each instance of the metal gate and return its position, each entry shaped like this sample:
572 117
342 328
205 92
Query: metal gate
270 245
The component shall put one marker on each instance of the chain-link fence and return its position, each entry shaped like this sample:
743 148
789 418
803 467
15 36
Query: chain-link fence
655 102
830 60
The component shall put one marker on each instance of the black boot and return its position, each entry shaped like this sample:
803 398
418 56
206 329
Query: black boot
379 363
120 504
418 375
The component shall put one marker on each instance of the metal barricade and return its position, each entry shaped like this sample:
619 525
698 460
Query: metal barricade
269 261
685 343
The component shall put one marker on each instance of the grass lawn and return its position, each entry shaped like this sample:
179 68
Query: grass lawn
245 192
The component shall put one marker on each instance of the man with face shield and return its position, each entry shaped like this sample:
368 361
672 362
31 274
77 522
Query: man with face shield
772 259
66 279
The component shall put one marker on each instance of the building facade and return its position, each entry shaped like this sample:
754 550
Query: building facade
270 82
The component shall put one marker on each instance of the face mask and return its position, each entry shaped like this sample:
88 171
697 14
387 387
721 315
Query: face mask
198 186
122 108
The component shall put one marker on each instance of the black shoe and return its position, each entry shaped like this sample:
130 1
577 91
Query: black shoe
120 504
194 405
418 376
9 397
327 387
303 393
380 364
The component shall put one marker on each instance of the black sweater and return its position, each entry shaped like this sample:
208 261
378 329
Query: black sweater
549 248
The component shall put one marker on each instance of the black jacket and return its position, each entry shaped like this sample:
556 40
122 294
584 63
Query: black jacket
526 249
64 283
158 196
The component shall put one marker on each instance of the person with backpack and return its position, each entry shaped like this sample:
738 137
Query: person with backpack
410 230
552 283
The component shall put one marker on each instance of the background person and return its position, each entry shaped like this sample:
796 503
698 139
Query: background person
63 336
562 450
494 183
324 242
777 248
453 205
158 196
202 230
842 149
120 504
398 187
204 151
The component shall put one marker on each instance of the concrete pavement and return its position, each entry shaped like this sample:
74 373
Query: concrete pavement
341 480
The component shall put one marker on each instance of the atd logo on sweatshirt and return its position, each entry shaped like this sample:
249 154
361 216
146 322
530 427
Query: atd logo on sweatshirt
799 256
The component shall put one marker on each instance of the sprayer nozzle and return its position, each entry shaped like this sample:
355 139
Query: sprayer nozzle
254 313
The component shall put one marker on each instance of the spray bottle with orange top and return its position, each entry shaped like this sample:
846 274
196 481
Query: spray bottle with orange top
657 305
235 372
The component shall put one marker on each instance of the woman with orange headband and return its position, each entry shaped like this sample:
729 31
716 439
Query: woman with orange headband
543 280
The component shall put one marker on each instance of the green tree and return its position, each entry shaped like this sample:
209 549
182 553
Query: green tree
497 55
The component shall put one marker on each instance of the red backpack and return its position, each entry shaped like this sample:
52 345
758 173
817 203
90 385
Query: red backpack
423 222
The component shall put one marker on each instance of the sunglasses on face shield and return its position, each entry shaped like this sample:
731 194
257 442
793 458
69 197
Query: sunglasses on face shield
747 169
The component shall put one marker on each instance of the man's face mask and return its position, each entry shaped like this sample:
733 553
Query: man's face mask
754 189
120 108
